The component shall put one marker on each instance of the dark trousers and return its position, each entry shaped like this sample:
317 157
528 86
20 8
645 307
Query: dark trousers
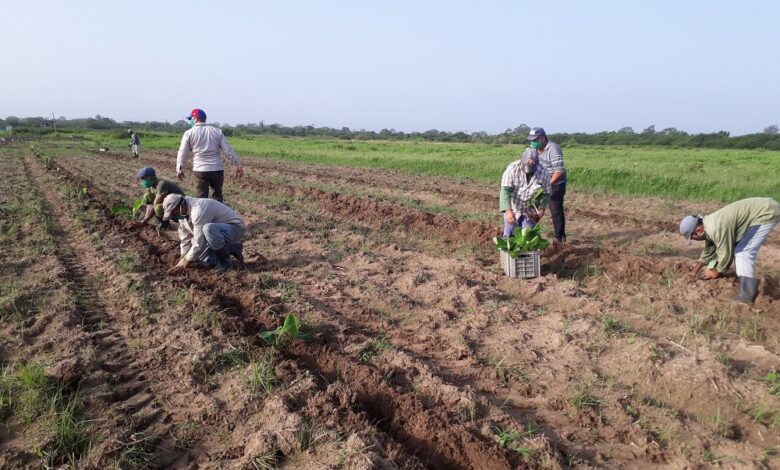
556 211
209 179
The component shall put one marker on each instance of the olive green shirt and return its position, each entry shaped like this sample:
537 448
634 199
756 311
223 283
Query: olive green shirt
726 227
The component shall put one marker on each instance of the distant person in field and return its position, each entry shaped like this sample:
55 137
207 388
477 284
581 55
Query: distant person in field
209 231
733 233
551 157
155 191
519 183
135 143
206 144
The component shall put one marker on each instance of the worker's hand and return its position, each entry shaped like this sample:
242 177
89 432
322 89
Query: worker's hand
178 269
696 267
509 217
536 215
180 175
710 274
239 172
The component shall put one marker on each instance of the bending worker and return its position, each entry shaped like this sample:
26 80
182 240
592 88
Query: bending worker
156 190
519 184
735 232
209 231
205 143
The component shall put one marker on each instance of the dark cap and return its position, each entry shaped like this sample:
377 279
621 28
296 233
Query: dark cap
535 133
146 172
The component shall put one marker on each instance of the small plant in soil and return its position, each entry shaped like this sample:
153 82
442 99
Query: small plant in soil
582 399
508 439
262 378
267 461
290 329
773 379
613 326
374 348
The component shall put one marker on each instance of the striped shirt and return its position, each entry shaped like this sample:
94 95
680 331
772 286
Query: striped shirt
552 159
205 143
522 187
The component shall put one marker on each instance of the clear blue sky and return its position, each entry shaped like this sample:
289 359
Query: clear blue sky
699 66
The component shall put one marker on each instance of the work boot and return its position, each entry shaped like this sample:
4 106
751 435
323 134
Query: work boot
236 250
223 259
748 289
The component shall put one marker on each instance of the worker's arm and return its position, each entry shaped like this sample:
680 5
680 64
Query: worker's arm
227 149
185 151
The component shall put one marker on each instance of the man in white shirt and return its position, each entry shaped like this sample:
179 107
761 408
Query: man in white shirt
206 144
209 231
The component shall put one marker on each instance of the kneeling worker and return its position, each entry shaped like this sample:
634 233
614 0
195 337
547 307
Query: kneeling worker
209 231
156 190
733 233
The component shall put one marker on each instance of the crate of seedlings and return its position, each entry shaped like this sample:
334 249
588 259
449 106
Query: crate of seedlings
521 252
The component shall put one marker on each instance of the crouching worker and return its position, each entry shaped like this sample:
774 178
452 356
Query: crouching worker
520 184
156 190
210 231
733 233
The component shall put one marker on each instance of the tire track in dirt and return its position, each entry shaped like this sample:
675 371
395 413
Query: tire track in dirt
130 393
425 433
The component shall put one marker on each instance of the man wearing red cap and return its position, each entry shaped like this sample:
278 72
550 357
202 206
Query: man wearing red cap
206 144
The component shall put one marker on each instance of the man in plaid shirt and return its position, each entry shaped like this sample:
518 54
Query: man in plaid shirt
520 181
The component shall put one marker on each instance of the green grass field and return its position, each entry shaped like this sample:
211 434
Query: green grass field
689 174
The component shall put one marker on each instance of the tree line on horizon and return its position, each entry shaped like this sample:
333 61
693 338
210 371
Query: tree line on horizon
769 138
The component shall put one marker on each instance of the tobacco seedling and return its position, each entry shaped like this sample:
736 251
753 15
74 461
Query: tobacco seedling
522 240
290 328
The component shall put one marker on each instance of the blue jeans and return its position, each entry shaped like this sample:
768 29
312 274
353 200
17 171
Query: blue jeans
747 248
218 236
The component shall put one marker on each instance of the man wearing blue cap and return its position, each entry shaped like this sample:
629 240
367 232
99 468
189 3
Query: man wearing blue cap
519 183
550 156
156 190
733 233
206 144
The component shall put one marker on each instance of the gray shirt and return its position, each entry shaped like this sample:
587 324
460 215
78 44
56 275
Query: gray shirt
552 159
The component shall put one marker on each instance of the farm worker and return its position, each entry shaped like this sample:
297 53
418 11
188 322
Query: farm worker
205 143
551 157
209 231
734 232
156 190
520 182
135 142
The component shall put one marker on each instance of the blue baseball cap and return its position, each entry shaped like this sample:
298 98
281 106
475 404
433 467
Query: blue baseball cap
535 133
146 172
688 226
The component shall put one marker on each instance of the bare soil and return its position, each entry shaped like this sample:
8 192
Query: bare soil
423 354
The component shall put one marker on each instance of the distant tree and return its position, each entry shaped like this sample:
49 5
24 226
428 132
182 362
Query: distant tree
522 129
12 121
626 130
671 131
649 130
773 129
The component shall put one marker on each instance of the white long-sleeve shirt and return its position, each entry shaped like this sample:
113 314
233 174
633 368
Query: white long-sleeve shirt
202 212
205 143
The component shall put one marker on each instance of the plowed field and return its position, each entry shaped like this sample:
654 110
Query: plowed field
423 354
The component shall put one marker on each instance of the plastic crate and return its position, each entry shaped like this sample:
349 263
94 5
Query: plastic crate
526 266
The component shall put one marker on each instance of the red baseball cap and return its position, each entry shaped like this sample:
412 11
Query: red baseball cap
197 113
